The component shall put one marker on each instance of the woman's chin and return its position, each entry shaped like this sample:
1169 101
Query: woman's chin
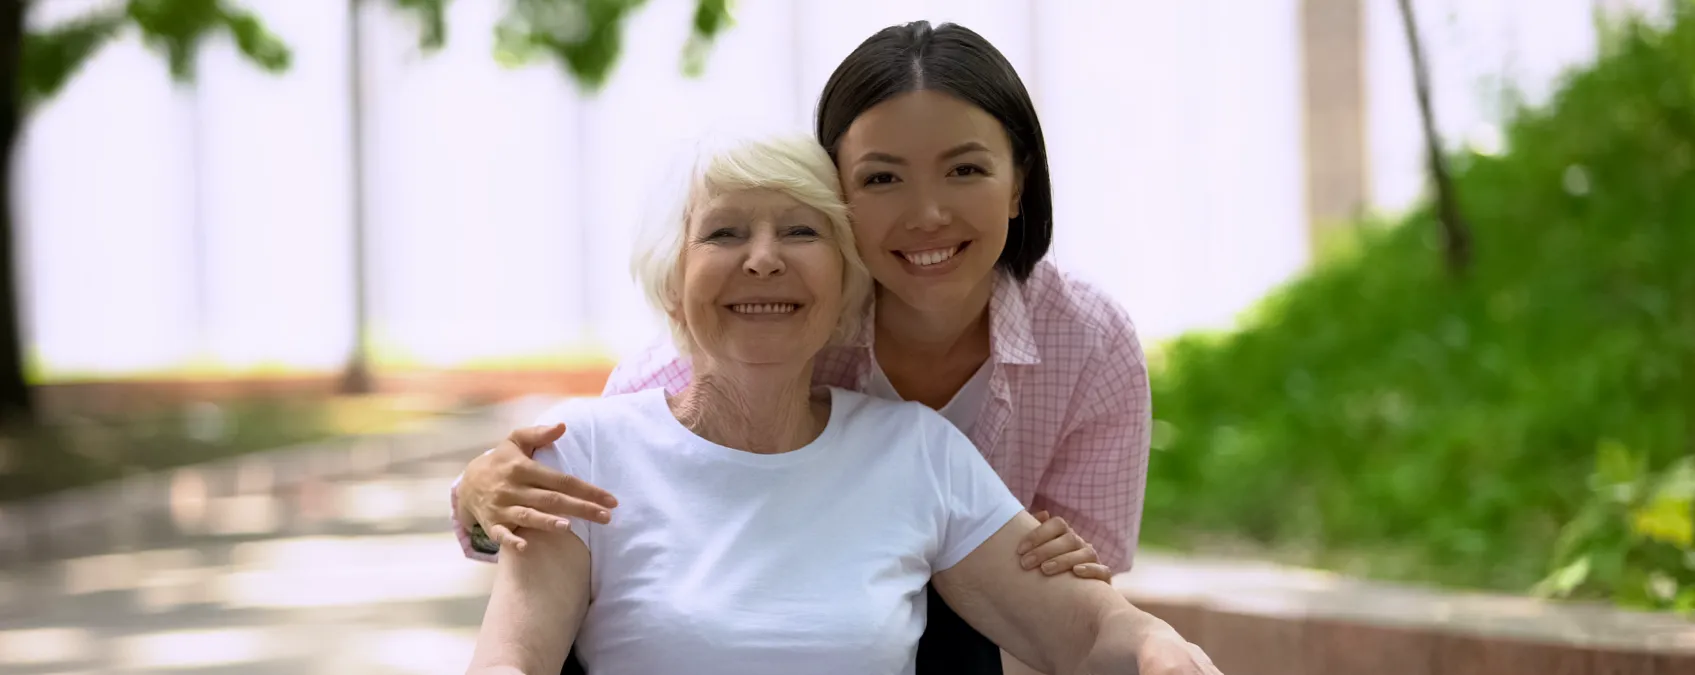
768 354
929 296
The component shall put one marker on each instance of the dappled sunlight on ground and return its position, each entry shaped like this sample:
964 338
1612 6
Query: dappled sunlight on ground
333 576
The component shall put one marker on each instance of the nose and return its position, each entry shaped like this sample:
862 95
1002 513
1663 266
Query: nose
765 258
928 214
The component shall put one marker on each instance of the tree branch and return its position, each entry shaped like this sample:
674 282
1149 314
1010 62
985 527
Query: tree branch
1456 234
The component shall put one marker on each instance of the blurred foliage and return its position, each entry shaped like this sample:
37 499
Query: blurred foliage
1634 540
86 449
177 28
1381 417
584 35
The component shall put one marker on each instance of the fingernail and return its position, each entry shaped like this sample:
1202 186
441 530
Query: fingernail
1023 548
604 517
612 502
1048 567
1028 562
562 524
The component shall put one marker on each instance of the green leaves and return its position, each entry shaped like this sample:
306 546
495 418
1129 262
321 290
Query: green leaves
1640 525
50 58
1525 428
584 36
432 21
177 28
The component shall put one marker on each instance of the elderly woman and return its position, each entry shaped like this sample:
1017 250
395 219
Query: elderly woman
796 534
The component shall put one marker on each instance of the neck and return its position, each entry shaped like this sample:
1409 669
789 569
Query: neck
760 409
933 332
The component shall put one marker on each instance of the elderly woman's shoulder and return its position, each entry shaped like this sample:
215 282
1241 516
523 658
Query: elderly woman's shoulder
580 414
1065 306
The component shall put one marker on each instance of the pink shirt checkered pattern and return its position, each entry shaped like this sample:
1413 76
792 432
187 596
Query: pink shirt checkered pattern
1068 416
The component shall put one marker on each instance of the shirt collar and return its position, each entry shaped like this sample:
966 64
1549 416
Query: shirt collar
1011 337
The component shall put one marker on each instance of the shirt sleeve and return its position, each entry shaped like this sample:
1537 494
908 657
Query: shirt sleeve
1099 472
572 454
976 502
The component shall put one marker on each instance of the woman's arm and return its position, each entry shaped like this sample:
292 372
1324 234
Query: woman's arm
1099 472
540 595
1060 624
505 489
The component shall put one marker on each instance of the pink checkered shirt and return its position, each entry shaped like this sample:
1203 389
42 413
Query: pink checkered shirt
1067 421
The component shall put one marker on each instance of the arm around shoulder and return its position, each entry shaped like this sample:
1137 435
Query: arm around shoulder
1097 478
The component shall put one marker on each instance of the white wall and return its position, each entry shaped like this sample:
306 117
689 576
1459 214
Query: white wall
165 226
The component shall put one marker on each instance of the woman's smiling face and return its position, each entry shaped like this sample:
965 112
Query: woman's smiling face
931 182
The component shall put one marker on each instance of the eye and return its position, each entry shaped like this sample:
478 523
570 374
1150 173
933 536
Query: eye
880 178
970 170
720 233
807 231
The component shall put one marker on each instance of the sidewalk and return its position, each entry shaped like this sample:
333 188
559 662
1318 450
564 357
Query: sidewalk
328 558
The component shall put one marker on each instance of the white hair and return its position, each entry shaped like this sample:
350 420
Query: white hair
792 164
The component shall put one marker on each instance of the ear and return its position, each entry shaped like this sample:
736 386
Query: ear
674 300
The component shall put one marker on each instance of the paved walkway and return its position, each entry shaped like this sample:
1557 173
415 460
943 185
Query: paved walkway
349 573
371 585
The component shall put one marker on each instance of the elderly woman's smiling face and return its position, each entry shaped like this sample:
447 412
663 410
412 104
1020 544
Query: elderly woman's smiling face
761 279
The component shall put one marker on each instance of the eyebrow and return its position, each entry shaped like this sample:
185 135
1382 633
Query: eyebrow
950 153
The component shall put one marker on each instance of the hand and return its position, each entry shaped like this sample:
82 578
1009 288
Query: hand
1167 653
507 489
1152 648
1056 549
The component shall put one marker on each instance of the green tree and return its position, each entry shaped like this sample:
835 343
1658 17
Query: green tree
583 36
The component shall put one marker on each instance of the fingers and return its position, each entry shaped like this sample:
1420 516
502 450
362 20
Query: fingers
504 537
1067 560
567 485
554 505
1065 543
1050 528
531 439
1091 570
517 517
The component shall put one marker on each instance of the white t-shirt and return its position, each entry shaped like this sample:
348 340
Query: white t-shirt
810 561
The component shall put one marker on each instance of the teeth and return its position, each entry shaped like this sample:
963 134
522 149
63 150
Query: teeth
931 257
765 308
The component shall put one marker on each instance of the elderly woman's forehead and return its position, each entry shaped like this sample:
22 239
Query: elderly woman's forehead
752 202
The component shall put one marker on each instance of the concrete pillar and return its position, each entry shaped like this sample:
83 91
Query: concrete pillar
1333 77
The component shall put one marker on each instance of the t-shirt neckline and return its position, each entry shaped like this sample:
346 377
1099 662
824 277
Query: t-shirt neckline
656 398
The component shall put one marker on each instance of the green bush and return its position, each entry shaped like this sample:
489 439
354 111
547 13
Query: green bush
1383 416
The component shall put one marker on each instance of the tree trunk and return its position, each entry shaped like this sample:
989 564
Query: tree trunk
1456 234
356 378
15 401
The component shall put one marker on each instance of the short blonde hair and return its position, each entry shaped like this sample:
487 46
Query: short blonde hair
792 164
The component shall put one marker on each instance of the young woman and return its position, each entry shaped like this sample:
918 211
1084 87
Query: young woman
945 173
